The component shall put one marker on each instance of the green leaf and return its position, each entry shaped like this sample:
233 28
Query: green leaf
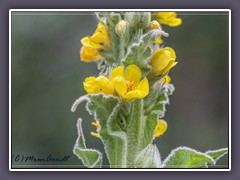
150 125
154 107
90 157
217 154
149 157
184 157
105 109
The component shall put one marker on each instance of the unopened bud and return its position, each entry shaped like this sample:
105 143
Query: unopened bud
139 19
160 128
155 25
145 20
121 27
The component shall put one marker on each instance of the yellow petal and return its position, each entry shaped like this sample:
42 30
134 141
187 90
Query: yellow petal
97 38
135 94
166 15
133 73
169 66
171 51
160 128
141 90
86 41
101 28
102 31
88 84
119 71
102 84
159 40
175 22
88 54
169 18
119 83
143 86
166 79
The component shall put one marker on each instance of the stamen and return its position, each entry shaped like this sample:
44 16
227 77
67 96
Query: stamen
130 85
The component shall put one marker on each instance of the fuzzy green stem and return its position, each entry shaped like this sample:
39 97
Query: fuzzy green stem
135 131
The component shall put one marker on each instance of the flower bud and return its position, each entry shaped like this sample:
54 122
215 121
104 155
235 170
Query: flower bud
166 79
139 19
145 20
121 27
162 61
160 128
155 25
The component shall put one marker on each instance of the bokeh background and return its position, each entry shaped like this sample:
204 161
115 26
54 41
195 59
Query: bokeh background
47 77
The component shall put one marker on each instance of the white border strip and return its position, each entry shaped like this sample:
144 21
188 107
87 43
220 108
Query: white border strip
229 89
110 10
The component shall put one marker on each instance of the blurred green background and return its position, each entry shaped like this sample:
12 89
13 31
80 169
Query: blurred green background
47 77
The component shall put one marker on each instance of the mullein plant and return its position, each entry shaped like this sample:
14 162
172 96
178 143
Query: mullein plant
128 98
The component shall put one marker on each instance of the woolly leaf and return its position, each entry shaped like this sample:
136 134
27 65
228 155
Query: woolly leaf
154 105
105 110
150 125
217 154
90 157
184 157
149 157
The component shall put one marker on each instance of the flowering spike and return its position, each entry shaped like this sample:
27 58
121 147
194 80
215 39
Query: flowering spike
131 92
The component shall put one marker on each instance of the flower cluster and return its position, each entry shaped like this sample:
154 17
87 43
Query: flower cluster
128 83
92 44
133 83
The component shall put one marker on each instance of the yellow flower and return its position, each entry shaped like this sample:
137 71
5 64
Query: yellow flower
88 54
99 40
101 84
163 60
169 18
160 128
166 79
128 84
